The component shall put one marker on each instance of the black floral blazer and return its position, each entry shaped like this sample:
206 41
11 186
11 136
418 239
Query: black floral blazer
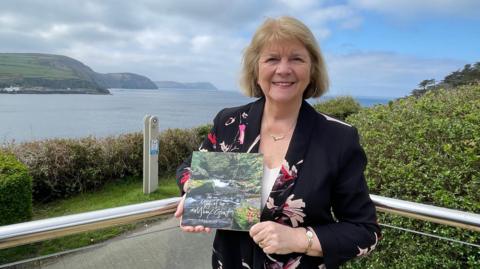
320 184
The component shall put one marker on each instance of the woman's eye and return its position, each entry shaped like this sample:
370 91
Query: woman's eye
271 59
298 59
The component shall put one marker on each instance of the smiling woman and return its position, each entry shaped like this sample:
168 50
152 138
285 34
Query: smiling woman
284 71
313 163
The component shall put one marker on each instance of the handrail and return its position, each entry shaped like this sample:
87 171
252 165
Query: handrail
39 230
33 231
446 216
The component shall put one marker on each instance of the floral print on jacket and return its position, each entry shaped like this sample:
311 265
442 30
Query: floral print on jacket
322 173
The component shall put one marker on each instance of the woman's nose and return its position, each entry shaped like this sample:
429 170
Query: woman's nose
283 67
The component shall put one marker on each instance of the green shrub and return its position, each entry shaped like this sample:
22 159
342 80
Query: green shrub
64 167
124 155
339 107
15 190
203 130
176 145
424 150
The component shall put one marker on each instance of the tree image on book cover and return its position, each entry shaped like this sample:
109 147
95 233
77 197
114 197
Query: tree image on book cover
224 190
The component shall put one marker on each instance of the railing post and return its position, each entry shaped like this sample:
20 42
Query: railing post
150 154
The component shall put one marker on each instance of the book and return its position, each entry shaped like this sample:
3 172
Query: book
224 190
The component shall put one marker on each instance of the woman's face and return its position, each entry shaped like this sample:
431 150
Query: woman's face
284 71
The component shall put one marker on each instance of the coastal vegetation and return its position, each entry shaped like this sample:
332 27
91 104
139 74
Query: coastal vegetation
469 75
48 73
15 190
420 148
339 107
62 168
424 149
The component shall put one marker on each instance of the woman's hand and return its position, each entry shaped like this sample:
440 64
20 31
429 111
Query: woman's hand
191 229
275 238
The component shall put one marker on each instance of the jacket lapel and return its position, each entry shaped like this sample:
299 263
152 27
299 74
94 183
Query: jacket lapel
253 124
281 199
301 135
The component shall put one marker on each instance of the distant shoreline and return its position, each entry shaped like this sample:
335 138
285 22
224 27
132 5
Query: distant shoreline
185 85
43 90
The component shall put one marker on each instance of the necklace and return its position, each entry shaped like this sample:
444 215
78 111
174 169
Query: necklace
282 136
277 138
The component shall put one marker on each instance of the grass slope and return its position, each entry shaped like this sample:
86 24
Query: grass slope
30 65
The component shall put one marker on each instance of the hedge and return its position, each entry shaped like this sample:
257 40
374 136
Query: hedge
339 107
15 190
64 167
425 150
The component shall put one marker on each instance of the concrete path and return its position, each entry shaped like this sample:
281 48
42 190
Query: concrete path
160 245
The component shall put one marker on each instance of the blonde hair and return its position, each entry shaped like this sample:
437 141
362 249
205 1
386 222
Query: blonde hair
282 29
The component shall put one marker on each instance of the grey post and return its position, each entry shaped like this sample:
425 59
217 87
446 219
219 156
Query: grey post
150 154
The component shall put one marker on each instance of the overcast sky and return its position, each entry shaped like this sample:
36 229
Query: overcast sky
372 47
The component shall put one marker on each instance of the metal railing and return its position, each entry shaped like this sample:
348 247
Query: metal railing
39 230
446 216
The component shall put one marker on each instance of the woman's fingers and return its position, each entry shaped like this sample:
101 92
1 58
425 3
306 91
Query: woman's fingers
274 237
258 231
195 229
179 211
190 229
202 229
258 227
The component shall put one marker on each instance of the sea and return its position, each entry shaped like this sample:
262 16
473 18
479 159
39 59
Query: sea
29 117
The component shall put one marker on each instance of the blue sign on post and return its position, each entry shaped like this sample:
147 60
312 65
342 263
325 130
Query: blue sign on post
154 147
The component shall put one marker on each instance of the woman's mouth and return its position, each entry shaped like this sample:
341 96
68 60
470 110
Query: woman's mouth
283 83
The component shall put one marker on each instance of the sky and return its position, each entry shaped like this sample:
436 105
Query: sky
372 47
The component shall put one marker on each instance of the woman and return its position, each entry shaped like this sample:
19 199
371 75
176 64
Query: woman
318 213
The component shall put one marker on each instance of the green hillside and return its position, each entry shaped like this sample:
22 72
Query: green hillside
48 73
16 65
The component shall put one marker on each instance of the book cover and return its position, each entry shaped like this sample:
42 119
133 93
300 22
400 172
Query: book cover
224 190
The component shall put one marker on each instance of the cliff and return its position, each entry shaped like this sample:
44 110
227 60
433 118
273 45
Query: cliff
48 73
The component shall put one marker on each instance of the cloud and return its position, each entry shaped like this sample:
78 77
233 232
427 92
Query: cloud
169 39
203 40
321 19
298 4
384 73
415 9
201 43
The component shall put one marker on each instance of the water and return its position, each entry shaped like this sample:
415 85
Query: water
25 117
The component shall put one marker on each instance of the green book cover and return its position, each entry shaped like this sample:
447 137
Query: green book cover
224 190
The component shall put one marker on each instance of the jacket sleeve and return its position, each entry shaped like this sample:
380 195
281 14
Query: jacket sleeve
356 232
209 144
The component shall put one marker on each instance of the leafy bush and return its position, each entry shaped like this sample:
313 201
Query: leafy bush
64 167
425 150
175 146
339 107
202 131
123 154
15 190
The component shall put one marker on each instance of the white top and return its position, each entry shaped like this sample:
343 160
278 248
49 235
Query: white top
269 177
